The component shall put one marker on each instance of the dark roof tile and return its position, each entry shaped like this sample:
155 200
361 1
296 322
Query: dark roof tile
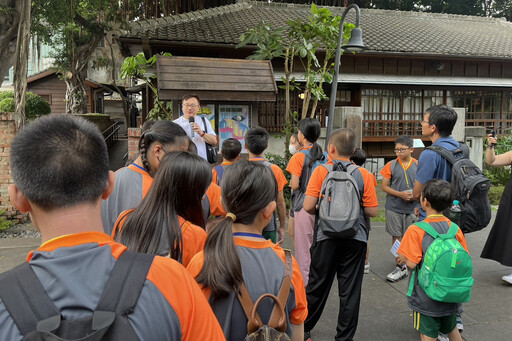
383 31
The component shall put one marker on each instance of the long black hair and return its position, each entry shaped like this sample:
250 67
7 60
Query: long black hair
310 128
247 188
180 183
165 132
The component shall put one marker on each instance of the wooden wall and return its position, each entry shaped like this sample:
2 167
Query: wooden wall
403 66
54 90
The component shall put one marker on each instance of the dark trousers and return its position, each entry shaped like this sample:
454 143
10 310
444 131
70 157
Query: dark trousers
344 257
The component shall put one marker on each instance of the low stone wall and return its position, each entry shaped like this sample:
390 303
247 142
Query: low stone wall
7 134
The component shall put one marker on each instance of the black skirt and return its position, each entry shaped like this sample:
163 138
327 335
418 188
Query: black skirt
498 246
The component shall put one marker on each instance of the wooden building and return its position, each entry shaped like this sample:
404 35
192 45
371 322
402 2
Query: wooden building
48 85
413 60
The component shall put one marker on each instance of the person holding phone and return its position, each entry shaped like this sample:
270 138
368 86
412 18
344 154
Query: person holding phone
497 246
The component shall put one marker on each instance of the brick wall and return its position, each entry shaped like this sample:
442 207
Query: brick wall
133 141
7 133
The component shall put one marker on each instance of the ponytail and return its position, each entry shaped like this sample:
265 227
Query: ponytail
222 270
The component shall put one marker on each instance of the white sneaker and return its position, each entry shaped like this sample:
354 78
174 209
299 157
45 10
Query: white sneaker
397 274
443 337
460 325
507 279
367 268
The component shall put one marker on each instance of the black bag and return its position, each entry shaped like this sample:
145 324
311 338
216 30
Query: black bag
211 151
38 319
471 188
276 327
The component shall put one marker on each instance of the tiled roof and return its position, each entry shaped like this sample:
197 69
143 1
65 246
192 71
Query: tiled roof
383 31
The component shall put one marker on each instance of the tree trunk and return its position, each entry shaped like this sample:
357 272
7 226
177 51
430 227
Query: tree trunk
21 63
76 94
9 23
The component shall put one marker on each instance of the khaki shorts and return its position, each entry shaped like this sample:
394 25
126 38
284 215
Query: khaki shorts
397 223
431 326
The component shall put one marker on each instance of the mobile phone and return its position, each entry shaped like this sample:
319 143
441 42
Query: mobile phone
493 134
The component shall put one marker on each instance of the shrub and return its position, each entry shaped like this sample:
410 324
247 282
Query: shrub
35 105
4 223
280 161
495 193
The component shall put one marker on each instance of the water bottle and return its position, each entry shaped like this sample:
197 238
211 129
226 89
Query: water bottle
455 212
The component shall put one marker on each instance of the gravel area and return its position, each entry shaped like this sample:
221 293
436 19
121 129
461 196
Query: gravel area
20 231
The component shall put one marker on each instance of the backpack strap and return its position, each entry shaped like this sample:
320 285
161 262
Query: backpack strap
204 124
449 155
411 282
125 283
452 231
284 291
220 173
248 305
25 298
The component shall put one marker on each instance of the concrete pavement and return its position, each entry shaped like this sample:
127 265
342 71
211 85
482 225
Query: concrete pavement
384 314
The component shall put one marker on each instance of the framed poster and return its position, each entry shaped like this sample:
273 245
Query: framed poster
233 123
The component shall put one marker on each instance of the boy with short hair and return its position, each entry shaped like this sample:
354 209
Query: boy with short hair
332 256
256 141
398 183
60 168
431 317
230 152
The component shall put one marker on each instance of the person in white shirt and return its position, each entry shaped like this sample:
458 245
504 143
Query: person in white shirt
197 131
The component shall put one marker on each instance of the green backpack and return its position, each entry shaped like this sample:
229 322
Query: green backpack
446 273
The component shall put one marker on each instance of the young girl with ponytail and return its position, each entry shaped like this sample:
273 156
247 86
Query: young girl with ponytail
236 252
300 167
133 182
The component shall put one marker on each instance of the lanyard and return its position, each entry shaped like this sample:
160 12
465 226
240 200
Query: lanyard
247 234
139 167
405 172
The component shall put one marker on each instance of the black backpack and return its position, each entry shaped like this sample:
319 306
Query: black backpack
38 319
471 188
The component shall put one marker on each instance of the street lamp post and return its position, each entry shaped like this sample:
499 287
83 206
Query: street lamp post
355 44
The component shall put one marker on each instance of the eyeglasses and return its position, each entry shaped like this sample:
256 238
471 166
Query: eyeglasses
190 105
401 150
426 123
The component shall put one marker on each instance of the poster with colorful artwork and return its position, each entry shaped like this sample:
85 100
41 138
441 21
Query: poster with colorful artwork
233 123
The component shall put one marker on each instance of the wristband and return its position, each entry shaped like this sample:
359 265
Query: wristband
202 134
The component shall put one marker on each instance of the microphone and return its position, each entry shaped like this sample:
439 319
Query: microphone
191 120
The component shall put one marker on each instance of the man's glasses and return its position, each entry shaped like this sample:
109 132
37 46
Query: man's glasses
426 123
401 150
190 105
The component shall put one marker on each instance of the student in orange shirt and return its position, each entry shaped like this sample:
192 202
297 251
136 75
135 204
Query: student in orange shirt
169 221
60 168
431 317
300 167
256 141
293 148
342 256
236 252
133 182
230 151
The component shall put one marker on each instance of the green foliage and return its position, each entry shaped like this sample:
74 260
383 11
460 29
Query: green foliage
139 67
35 105
280 161
4 223
495 193
381 217
499 175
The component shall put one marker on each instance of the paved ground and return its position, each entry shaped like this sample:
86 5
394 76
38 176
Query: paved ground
384 313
